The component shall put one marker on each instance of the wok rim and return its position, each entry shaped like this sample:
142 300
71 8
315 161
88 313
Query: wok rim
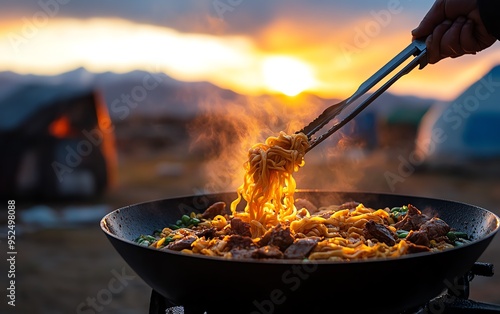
104 228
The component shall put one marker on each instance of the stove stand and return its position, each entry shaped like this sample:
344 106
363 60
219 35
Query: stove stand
160 305
455 300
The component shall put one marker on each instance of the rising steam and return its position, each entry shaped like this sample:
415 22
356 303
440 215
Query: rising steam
228 127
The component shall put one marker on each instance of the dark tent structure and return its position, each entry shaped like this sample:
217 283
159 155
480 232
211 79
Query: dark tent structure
465 131
57 142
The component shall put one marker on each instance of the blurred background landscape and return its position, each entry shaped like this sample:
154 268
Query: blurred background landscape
103 105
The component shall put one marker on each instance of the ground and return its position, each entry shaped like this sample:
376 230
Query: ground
76 270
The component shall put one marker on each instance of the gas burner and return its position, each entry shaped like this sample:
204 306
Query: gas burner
454 300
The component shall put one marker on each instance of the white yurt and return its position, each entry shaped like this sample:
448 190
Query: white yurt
464 131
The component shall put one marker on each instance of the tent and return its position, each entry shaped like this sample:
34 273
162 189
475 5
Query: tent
57 141
465 130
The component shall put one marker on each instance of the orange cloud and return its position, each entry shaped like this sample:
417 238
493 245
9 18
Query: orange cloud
340 58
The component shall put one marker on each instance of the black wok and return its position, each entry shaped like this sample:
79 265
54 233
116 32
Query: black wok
283 286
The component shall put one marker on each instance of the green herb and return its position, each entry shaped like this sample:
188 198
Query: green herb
167 241
402 209
145 240
398 212
186 222
402 233
457 236
157 232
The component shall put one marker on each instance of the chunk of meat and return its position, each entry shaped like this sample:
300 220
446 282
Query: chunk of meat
268 251
415 248
348 205
373 230
418 237
325 214
434 229
300 248
240 227
208 233
182 243
242 253
412 220
218 208
303 203
277 236
240 242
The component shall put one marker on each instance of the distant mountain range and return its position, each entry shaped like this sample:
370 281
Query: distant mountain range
148 94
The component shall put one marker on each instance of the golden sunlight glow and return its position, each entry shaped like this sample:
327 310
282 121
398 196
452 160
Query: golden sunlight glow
240 63
116 45
287 75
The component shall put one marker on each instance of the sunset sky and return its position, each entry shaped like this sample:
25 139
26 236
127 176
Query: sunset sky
251 46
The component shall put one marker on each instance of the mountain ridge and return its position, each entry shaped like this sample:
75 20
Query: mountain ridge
157 94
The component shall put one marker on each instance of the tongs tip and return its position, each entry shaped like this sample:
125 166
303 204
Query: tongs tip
417 48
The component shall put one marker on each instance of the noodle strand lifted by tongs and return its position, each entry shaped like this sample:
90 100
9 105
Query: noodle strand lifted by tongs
269 186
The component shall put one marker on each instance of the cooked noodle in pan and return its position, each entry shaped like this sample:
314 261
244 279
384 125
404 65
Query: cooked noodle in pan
273 225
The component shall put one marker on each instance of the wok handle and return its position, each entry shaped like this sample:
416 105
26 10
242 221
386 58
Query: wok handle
469 306
482 269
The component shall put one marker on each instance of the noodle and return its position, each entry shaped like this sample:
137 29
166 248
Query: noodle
269 186
270 223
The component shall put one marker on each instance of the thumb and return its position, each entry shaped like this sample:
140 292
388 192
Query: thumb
433 18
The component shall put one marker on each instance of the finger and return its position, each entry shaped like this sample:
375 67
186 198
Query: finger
475 37
451 41
480 38
435 16
428 44
434 45
467 38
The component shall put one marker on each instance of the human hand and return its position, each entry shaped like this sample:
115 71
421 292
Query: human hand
453 28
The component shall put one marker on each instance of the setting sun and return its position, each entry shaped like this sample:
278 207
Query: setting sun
287 75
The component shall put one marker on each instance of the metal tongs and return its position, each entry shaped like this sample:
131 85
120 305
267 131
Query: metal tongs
417 49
